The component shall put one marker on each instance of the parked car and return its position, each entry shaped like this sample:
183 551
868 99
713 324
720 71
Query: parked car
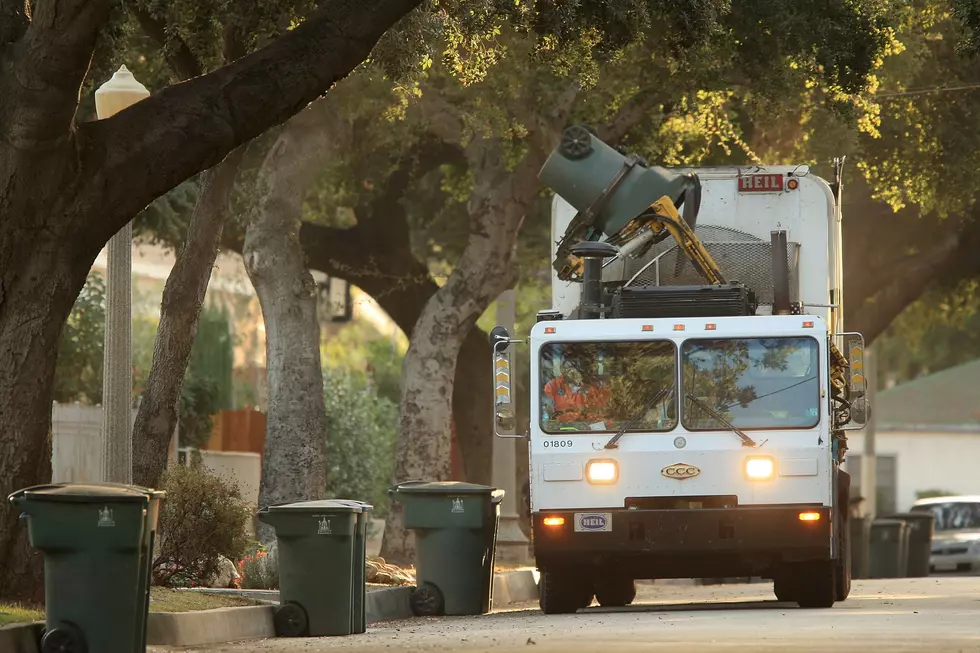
956 535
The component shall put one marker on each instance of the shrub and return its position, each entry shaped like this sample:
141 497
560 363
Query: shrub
202 519
360 436
259 569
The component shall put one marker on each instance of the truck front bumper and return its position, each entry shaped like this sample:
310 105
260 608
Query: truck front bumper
683 543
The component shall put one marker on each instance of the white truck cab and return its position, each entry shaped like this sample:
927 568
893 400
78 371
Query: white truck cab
680 430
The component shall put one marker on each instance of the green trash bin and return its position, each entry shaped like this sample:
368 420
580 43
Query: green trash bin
316 542
920 541
858 541
455 528
92 537
888 548
359 599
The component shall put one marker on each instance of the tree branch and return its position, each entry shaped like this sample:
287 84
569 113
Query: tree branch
39 86
180 58
147 149
630 114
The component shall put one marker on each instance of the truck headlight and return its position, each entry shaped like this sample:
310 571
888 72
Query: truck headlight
759 468
602 471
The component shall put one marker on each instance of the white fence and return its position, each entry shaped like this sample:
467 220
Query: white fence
76 452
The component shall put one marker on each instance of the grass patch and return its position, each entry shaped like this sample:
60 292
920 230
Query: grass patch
163 599
16 614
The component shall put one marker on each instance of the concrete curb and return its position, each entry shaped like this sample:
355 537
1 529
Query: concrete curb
515 587
22 638
209 626
204 627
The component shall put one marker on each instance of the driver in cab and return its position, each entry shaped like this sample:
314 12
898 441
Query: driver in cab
571 399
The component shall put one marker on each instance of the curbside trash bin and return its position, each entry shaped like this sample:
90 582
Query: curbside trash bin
455 528
92 537
920 541
359 614
858 541
888 548
316 566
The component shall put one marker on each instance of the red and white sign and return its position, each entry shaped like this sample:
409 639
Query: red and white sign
760 183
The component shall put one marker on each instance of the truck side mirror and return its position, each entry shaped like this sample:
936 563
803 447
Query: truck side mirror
852 347
504 417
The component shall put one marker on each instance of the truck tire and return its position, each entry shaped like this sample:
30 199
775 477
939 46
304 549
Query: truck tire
615 592
818 584
563 593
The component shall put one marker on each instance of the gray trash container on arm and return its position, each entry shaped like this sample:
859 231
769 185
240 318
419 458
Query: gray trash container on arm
316 542
455 528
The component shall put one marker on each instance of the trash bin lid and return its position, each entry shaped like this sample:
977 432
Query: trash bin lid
913 516
363 505
151 492
318 506
446 487
84 493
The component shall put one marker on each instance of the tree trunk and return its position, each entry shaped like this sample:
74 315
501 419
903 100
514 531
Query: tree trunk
183 297
294 462
487 267
37 291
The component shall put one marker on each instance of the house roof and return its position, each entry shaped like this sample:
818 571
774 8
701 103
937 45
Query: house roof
950 398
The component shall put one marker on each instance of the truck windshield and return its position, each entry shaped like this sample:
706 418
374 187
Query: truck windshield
601 386
755 383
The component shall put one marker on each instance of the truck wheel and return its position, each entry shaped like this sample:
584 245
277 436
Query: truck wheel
615 592
818 585
561 593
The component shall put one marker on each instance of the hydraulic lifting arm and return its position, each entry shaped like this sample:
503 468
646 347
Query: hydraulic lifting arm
653 225
650 226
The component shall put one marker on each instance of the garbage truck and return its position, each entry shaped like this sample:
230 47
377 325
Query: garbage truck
691 385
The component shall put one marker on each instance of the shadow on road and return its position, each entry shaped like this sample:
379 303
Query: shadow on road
641 608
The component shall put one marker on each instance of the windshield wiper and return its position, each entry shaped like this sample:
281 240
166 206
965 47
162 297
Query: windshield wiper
746 440
625 427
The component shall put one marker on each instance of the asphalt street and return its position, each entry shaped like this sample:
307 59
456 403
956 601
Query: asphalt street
924 615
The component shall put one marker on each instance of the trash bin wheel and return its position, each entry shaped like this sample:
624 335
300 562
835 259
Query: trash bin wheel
65 638
561 592
615 592
427 601
818 584
290 620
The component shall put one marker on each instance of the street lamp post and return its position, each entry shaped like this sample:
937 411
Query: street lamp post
112 97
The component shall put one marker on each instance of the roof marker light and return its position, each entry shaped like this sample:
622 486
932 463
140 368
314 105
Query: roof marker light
808 325
678 327
709 327
549 329
647 327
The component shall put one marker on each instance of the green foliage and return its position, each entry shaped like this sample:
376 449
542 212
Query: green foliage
929 494
202 519
361 428
939 331
198 403
78 376
212 355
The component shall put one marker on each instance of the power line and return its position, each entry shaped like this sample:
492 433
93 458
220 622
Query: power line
924 91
